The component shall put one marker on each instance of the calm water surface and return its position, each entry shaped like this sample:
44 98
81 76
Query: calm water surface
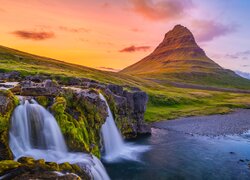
179 156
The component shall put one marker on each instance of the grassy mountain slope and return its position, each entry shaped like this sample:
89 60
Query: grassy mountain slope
165 101
178 58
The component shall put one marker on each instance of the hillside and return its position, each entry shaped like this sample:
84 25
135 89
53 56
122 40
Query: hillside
165 102
178 58
15 60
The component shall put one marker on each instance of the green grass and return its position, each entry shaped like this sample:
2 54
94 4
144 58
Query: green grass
170 106
165 101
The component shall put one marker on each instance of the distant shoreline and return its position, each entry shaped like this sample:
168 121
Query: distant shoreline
236 122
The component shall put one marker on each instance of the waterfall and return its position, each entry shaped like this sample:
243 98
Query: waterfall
114 146
34 132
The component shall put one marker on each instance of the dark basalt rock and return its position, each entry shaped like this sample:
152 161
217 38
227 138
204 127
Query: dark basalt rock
128 108
46 88
10 76
118 90
37 78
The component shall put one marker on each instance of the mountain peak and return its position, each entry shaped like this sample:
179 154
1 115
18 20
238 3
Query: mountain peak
179 31
178 37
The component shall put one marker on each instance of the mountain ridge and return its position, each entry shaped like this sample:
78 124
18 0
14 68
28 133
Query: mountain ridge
179 58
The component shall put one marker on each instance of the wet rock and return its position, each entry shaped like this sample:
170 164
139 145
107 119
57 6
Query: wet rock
50 84
46 88
37 78
10 76
38 91
118 90
16 89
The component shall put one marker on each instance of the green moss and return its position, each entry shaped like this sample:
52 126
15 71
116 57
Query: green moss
7 109
30 164
43 100
5 115
7 165
80 122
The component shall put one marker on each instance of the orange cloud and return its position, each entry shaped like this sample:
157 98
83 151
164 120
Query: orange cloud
168 9
108 69
32 35
135 48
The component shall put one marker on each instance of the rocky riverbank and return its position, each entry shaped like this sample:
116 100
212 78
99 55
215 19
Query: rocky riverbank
236 122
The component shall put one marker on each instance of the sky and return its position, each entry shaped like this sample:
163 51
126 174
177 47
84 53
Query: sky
113 34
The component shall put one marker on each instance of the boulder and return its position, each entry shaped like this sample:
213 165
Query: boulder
46 88
10 76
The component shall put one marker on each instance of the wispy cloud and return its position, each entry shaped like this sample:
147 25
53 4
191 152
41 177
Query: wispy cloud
2 10
108 69
161 10
244 55
135 48
105 5
136 30
210 29
73 30
33 35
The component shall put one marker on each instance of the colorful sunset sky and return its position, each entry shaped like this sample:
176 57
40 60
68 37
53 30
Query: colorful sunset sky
112 34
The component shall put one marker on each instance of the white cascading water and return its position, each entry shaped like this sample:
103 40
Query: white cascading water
34 132
114 146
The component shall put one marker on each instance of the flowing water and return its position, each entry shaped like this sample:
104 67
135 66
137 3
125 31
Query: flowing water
114 146
180 156
34 132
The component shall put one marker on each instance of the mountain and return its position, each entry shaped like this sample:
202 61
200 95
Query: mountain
178 58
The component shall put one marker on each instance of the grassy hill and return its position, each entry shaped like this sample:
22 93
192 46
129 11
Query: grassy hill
165 101
178 58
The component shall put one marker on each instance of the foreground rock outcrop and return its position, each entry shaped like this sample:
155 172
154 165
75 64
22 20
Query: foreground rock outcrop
80 114
28 168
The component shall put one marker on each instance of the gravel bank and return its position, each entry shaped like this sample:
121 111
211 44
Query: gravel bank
237 122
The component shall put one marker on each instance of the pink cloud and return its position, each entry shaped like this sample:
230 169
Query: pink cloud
161 10
208 30
135 48
73 30
33 35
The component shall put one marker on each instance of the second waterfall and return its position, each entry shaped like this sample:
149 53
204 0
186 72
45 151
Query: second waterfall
114 146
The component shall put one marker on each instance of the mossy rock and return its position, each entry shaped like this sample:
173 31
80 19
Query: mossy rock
26 160
8 102
27 165
43 100
7 165
65 167
80 119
